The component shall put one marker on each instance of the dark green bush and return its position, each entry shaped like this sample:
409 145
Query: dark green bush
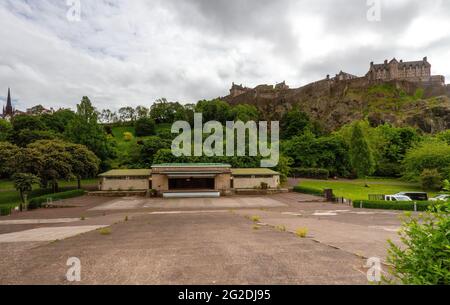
314 173
431 179
37 202
392 205
308 190
5 211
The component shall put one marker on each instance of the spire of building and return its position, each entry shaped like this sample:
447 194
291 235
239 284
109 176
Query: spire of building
8 110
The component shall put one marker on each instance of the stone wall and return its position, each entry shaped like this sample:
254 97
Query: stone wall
247 182
108 184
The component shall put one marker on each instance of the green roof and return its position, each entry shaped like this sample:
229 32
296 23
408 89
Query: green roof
252 171
127 173
191 165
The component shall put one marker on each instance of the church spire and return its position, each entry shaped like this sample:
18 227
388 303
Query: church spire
8 110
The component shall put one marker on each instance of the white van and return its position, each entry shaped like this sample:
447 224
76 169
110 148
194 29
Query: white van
397 198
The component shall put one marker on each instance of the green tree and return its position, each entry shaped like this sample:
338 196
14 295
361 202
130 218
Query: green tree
145 127
5 129
57 162
361 157
23 183
163 111
431 179
430 154
58 121
150 147
84 129
215 110
295 123
85 163
7 153
245 113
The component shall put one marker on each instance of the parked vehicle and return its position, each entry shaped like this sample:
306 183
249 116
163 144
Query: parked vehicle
416 196
443 197
397 198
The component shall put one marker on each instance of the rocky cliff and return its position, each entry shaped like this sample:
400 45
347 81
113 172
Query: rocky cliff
336 103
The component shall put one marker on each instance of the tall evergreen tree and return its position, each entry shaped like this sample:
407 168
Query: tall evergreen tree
361 156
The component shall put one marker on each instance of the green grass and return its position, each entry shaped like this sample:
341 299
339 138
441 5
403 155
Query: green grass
9 197
355 189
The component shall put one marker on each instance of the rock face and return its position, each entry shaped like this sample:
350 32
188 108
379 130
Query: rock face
336 103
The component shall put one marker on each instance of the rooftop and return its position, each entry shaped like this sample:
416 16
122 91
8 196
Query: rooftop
252 171
127 173
191 165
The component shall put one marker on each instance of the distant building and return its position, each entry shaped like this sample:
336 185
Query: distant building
414 71
8 111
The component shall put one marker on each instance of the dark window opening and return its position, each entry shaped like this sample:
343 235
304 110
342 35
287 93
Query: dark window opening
192 184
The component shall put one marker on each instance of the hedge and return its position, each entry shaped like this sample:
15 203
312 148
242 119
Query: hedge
308 190
314 173
37 202
393 205
5 211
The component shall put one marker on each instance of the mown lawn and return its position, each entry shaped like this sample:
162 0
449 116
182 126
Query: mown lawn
356 189
9 197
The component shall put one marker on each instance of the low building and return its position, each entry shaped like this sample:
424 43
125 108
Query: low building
189 177
126 180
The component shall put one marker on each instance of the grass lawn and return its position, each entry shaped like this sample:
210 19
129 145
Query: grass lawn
355 189
9 197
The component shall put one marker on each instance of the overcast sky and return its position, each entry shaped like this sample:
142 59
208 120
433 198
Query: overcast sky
131 52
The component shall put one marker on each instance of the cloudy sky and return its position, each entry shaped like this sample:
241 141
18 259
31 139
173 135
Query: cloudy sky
131 52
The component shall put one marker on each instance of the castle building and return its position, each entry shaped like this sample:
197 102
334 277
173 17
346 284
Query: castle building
415 71
8 111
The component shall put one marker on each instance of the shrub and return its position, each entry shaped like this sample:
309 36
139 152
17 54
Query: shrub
255 218
105 231
301 232
5 211
145 127
314 173
431 179
423 259
127 136
392 205
37 202
308 190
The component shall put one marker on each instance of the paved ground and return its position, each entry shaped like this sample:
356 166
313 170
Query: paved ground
192 241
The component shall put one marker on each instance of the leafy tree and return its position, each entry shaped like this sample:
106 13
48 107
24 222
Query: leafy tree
85 163
215 110
150 147
430 154
145 127
5 129
245 113
163 111
32 122
142 112
84 129
166 156
431 179
127 114
361 157
294 123
23 183
7 153
59 120
57 162
28 136
423 259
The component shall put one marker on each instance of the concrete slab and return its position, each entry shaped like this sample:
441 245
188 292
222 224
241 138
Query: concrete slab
37 221
221 203
46 234
126 203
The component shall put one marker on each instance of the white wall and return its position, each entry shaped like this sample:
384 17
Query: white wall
251 183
